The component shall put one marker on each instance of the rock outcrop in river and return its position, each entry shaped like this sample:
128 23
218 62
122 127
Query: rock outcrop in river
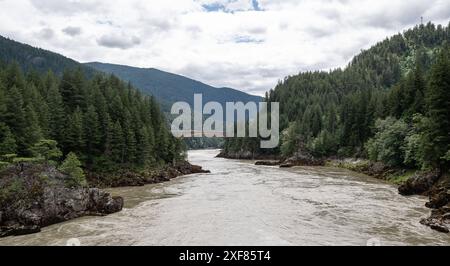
439 202
34 196
246 155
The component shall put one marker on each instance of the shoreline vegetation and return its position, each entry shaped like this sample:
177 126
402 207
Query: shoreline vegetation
432 184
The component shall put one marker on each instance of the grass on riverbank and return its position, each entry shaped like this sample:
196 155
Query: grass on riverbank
393 176
402 178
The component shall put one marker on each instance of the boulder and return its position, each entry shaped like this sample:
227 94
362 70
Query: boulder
440 228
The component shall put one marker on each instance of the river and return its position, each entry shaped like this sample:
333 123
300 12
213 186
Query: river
243 204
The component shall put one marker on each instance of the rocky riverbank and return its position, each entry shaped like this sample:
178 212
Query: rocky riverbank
35 196
439 196
128 178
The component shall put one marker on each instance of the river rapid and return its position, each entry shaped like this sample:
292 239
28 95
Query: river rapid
243 204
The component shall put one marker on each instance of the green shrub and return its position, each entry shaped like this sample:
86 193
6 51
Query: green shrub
388 144
47 150
72 167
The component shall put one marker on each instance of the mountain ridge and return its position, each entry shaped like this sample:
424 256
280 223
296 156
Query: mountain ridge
35 58
172 87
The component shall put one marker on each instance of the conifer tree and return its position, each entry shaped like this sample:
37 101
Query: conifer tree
117 143
56 113
438 111
32 131
144 148
92 133
7 141
15 118
73 138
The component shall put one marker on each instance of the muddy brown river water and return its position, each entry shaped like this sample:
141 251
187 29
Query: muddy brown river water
243 204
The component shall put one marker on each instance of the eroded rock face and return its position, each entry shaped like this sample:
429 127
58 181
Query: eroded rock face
439 219
419 184
56 205
439 197
42 201
437 187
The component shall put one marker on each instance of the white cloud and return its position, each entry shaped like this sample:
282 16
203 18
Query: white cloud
232 43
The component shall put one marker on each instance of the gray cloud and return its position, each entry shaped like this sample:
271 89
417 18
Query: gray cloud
247 39
257 30
65 7
72 31
319 32
45 34
118 41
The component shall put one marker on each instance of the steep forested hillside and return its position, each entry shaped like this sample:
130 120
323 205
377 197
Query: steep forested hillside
107 123
29 57
169 88
391 104
166 87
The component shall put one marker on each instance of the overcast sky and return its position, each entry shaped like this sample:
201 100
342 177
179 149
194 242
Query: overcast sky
244 44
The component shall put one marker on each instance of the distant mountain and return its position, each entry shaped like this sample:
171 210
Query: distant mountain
169 88
29 57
